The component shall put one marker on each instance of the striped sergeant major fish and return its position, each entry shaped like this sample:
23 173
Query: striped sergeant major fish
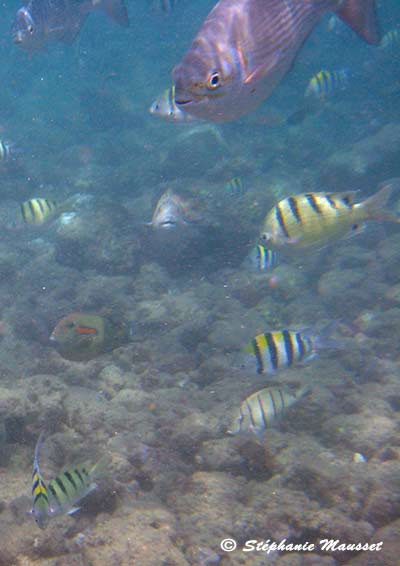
262 259
6 151
325 83
37 211
259 411
245 48
390 39
61 494
282 349
234 187
313 220
164 107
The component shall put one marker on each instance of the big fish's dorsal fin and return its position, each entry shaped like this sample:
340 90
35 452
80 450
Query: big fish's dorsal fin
361 16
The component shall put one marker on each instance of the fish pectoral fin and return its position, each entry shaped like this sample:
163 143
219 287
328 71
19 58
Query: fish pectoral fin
355 230
73 510
261 70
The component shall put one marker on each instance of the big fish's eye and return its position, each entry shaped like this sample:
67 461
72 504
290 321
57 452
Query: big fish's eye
30 29
214 80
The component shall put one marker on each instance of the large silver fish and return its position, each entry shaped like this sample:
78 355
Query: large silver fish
42 21
245 47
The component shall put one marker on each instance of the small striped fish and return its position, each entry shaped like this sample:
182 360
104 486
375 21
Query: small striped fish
390 39
61 494
234 187
282 349
313 220
37 211
5 151
164 107
260 410
325 83
261 259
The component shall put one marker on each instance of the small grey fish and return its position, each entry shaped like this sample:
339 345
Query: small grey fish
42 21
259 411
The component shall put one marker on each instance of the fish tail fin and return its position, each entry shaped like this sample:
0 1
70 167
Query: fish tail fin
115 9
323 340
303 391
361 16
99 469
374 206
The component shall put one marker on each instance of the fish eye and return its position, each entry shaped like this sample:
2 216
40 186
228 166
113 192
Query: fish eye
70 324
214 80
30 29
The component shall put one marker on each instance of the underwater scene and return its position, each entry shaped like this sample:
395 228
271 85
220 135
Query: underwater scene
200 283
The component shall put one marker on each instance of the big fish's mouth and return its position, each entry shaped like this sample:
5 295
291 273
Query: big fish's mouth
168 224
182 102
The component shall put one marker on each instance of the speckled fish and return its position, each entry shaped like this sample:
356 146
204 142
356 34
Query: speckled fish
82 337
42 21
313 220
172 211
165 107
324 83
282 349
260 410
261 259
245 48
61 494
38 211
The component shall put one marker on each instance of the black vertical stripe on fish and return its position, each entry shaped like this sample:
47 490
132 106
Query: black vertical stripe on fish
32 210
273 403
294 209
61 486
312 201
71 480
287 339
253 422
38 496
347 201
331 201
272 349
35 485
23 212
40 204
85 473
77 472
55 494
263 415
282 399
280 220
257 353
300 345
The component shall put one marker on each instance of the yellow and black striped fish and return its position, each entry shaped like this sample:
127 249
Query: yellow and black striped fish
278 350
61 494
5 151
313 220
37 211
40 495
282 349
234 187
325 83
262 259
260 410
390 39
